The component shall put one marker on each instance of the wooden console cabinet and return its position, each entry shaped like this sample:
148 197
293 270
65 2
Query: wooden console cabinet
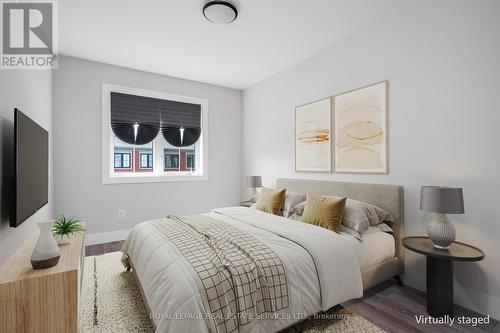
45 300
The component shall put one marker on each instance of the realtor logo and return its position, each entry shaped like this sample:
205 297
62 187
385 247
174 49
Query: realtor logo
28 31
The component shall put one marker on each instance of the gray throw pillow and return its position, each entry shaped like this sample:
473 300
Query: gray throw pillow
360 215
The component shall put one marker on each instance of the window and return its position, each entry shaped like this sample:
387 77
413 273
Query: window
132 160
190 161
146 160
122 160
176 159
153 136
171 160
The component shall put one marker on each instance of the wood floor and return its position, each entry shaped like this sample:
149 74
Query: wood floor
95 250
394 309
388 306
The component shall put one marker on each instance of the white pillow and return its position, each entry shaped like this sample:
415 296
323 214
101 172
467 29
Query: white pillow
291 200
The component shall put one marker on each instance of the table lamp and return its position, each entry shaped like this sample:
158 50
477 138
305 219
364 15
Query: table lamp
440 200
254 182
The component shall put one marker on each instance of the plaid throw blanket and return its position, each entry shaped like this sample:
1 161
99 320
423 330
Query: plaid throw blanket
240 276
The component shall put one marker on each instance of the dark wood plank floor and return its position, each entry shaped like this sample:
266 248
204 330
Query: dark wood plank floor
395 308
389 306
97 249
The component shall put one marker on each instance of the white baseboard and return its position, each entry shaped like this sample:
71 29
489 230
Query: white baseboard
106 237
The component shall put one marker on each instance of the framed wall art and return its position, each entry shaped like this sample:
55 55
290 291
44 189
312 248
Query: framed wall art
360 118
313 137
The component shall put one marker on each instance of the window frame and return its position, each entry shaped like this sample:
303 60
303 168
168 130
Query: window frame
148 166
192 155
109 176
121 157
171 169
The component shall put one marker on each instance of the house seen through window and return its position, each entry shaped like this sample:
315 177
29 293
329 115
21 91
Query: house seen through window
139 158
154 136
146 160
122 159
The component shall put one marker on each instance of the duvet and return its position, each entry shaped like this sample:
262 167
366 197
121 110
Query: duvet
237 269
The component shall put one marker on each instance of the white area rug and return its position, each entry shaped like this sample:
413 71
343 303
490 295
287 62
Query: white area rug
111 302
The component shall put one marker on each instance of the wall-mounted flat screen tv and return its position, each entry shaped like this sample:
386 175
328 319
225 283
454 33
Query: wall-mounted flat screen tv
31 168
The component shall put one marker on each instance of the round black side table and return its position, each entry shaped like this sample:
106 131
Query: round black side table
440 271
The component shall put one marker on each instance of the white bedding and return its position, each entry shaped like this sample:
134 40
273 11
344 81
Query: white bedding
375 248
322 271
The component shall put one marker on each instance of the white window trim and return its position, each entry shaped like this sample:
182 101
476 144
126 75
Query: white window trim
110 177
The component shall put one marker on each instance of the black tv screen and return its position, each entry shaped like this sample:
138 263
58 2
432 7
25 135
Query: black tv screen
31 184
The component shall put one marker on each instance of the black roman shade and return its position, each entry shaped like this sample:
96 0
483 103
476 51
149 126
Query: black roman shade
180 123
128 110
137 120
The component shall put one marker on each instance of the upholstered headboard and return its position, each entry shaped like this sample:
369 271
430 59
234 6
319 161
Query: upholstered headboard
388 197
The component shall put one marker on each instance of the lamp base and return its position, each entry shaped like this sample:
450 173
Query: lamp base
441 231
254 195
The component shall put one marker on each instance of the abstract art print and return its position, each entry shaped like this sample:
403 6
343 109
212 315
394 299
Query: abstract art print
361 130
313 150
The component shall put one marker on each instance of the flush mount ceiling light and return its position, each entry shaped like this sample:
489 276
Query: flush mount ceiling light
221 12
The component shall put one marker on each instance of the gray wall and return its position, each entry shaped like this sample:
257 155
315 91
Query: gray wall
29 91
442 60
77 147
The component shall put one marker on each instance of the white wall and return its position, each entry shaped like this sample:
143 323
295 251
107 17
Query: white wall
442 60
30 92
77 147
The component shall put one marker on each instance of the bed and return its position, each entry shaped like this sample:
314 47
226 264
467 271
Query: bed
270 271
388 197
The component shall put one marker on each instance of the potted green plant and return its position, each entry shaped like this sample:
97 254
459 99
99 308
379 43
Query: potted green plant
64 228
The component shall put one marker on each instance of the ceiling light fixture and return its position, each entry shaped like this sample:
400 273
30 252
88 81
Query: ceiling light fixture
221 12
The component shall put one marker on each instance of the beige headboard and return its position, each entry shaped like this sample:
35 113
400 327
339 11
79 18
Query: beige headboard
388 197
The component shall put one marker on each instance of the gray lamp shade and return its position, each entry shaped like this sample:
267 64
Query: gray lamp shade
444 200
254 181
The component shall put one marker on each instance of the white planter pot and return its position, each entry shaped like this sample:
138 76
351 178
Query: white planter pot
64 239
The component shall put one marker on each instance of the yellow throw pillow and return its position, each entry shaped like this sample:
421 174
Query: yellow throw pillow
325 212
270 201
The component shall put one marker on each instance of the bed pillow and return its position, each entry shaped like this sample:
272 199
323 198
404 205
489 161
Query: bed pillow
360 215
359 236
298 209
380 227
291 200
325 212
352 232
270 201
